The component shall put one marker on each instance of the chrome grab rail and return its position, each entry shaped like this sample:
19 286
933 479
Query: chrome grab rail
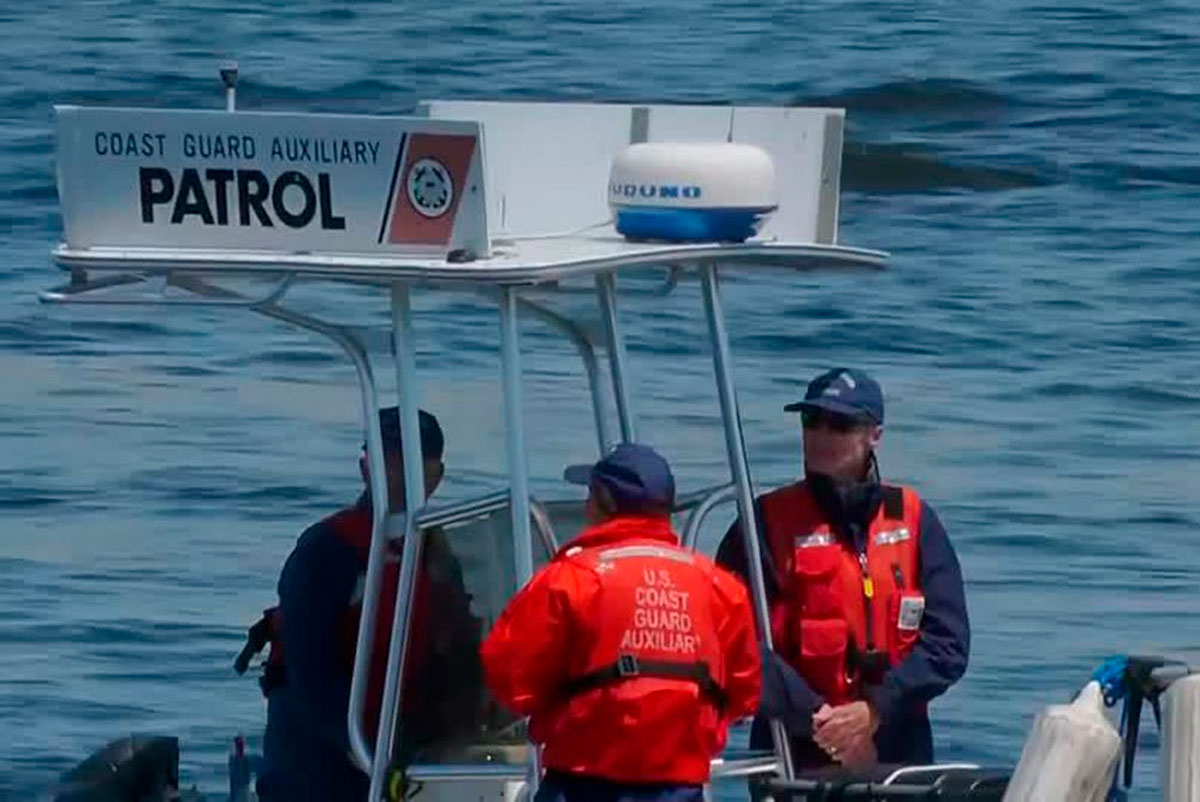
734 766
712 498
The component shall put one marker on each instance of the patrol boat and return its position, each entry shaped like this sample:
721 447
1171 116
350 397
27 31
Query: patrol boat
503 202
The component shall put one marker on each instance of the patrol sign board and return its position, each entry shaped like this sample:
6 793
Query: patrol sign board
270 182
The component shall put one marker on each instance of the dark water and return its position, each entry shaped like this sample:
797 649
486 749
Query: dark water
1032 167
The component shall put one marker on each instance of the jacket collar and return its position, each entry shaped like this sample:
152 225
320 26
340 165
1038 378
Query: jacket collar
849 507
622 528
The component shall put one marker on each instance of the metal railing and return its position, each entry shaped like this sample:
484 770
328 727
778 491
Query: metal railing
701 506
734 766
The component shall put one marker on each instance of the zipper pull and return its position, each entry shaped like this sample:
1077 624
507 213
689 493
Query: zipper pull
898 576
868 585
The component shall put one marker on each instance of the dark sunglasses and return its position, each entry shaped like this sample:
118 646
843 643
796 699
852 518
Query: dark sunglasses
815 419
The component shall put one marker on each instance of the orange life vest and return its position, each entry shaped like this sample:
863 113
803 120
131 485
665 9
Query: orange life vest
353 527
656 618
840 618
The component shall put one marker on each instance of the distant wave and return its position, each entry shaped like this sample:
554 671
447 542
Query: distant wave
869 167
875 160
905 167
936 96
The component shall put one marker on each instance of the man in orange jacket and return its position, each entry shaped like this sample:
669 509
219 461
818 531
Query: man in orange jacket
630 654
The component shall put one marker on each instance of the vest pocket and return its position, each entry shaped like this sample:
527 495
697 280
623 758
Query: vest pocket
817 582
823 645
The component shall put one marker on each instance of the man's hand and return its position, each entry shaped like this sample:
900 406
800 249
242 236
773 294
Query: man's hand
821 717
845 732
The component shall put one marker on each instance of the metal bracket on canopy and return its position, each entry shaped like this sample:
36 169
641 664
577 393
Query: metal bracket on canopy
114 290
587 351
380 341
122 290
668 285
107 291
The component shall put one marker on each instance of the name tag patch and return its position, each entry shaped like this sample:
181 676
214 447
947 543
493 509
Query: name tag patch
912 610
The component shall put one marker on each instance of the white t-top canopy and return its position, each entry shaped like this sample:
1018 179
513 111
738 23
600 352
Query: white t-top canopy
473 192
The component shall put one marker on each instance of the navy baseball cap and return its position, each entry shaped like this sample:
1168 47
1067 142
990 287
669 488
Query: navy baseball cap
636 476
845 391
433 442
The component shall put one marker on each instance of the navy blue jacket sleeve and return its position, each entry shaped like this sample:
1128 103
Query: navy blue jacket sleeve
731 553
315 589
939 657
787 697
785 694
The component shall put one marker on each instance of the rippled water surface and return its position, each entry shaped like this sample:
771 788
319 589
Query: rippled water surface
1032 168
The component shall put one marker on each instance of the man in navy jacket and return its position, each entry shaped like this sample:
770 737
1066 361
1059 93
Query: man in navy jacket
881 713
313 634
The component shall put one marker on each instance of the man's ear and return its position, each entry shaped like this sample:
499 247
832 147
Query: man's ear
434 472
604 500
876 437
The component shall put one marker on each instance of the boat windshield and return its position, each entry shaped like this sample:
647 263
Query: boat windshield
467 576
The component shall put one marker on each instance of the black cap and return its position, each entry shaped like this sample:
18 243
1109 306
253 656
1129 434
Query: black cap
433 442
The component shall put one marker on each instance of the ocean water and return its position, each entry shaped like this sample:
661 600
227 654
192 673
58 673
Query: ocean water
1031 167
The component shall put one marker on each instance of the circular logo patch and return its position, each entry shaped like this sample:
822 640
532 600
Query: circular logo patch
430 189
